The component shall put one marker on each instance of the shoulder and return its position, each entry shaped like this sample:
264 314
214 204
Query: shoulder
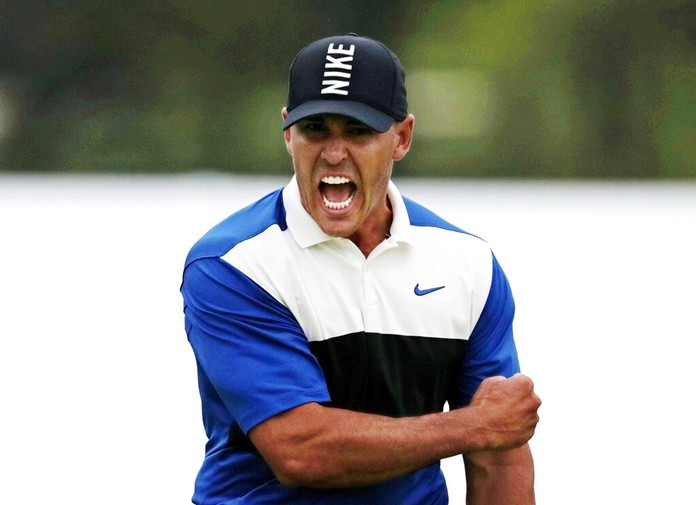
422 216
243 225
431 230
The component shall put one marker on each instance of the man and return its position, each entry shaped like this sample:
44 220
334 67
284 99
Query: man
333 319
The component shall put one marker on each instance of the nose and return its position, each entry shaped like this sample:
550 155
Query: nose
334 151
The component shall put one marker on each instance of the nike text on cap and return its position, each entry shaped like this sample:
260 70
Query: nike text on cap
349 76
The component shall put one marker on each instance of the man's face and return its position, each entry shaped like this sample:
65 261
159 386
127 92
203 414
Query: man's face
343 169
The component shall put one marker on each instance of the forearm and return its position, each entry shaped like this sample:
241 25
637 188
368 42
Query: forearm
348 448
495 477
317 446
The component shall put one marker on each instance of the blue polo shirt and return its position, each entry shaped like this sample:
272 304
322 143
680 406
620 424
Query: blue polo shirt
279 314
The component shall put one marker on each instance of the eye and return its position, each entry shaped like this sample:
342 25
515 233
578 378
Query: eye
312 126
359 129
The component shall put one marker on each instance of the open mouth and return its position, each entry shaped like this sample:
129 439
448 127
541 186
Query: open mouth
337 192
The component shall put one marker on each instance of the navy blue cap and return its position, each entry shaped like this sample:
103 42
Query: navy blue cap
347 75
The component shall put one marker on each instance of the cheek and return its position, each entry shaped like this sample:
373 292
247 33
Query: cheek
376 187
300 162
304 155
304 181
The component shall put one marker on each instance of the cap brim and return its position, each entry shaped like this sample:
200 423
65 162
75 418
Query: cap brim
378 121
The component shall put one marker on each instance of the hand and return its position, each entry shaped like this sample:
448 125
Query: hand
507 411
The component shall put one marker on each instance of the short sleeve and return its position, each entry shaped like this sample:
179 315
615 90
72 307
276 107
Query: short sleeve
250 347
491 349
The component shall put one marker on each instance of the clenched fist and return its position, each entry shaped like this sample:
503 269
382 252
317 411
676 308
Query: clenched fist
506 411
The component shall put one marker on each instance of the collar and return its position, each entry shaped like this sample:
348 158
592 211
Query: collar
307 233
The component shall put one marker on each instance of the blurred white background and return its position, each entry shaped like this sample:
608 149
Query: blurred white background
98 384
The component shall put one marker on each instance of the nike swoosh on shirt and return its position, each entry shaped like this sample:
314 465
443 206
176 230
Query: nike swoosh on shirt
421 292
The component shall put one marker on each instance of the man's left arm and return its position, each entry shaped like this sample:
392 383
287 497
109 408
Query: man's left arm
495 477
500 477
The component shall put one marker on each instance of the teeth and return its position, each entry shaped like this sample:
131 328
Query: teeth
335 180
338 205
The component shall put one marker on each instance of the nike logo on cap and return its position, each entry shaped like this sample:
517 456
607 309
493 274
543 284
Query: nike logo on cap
421 292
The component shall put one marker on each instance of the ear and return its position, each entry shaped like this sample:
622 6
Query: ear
287 133
404 132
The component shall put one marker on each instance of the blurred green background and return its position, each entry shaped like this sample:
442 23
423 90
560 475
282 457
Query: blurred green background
518 88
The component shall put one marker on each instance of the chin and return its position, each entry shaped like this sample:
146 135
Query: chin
337 229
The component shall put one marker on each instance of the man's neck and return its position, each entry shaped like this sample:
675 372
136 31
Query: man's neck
374 232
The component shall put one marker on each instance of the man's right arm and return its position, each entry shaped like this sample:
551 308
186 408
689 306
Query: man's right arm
235 327
316 446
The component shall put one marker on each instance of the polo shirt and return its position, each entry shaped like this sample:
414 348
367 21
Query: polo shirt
279 314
